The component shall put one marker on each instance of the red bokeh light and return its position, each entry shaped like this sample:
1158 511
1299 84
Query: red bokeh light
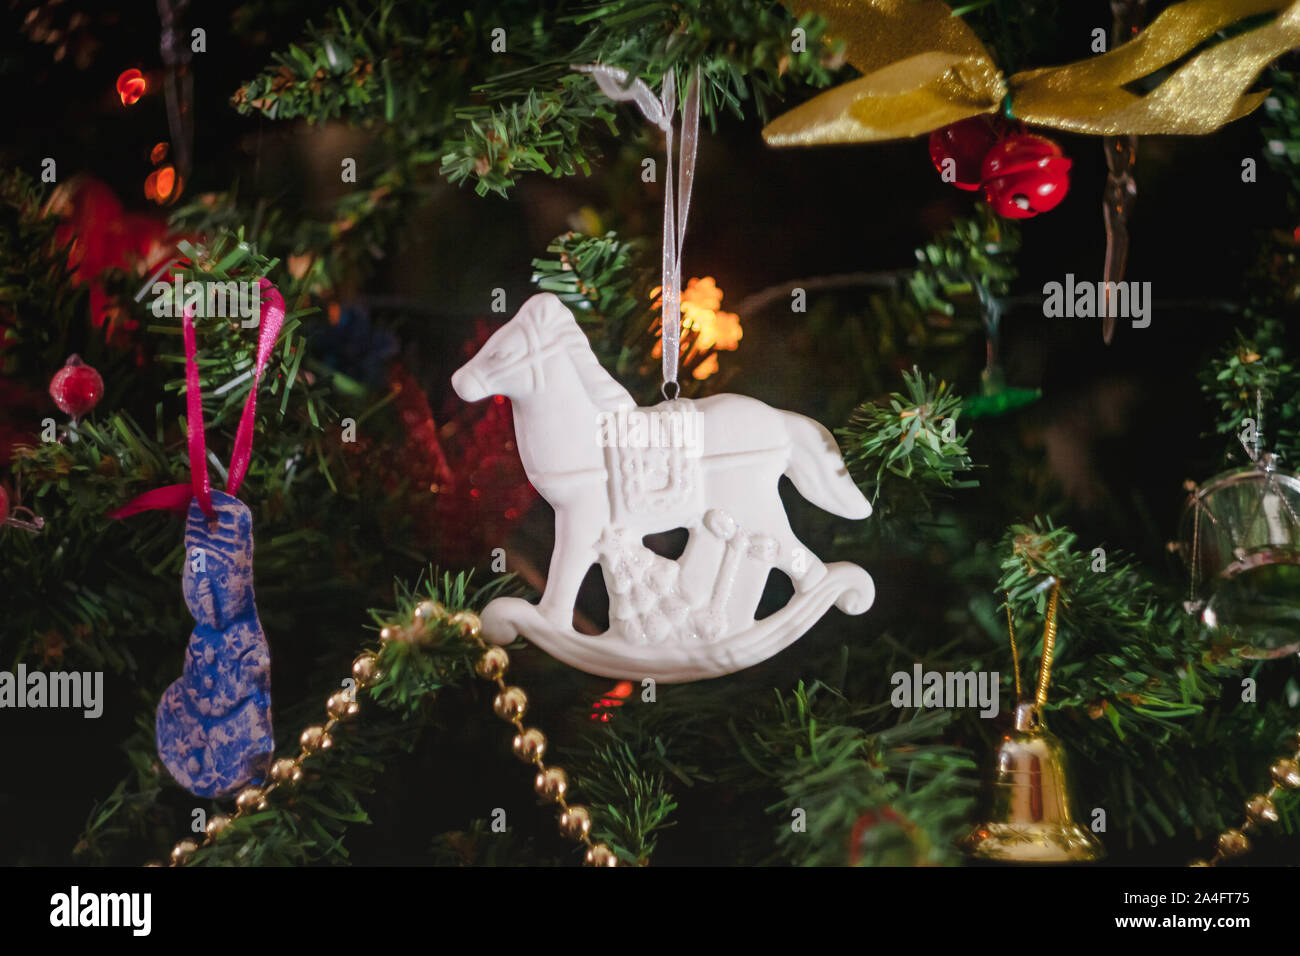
613 697
131 86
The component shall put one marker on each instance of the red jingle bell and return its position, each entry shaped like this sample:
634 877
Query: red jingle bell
1025 175
76 388
958 150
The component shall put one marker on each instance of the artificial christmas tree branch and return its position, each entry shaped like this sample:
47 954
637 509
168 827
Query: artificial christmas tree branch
487 90
1132 672
833 773
904 452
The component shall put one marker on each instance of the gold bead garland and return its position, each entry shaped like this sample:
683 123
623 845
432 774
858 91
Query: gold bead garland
510 704
1260 810
287 771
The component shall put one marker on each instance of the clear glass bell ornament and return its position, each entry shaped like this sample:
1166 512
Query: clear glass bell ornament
1241 539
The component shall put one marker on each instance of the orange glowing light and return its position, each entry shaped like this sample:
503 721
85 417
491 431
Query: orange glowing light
162 185
131 86
158 153
702 314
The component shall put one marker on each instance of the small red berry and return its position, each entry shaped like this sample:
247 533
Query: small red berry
76 388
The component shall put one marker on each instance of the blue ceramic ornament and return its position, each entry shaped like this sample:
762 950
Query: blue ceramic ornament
214 722
213 725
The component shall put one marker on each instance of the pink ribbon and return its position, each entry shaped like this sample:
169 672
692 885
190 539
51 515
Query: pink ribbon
178 497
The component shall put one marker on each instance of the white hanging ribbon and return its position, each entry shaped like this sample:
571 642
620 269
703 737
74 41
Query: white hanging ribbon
613 82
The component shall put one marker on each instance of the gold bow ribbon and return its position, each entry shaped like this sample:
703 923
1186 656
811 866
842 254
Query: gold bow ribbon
924 68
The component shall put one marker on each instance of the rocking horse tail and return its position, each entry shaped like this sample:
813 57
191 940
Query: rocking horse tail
818 471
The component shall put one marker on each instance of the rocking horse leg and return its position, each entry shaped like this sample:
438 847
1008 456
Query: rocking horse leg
573 555
797 560
793 557
767 517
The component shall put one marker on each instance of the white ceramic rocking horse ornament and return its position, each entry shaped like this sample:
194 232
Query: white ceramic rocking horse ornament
614 473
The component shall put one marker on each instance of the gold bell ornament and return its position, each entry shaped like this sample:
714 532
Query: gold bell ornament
1029 818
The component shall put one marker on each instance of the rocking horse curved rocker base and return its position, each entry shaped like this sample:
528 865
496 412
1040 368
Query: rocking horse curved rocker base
614 473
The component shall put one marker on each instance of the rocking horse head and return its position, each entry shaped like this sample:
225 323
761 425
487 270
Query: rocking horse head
542 339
